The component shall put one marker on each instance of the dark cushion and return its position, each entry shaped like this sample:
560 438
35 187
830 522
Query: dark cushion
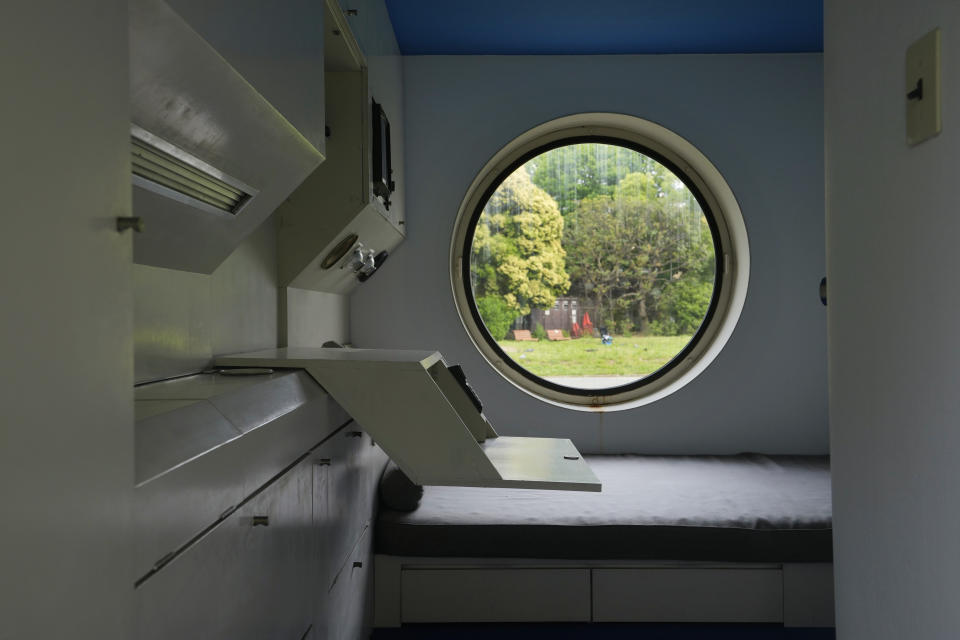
744 508
397 491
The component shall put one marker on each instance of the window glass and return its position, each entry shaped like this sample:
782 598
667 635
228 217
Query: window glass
592 265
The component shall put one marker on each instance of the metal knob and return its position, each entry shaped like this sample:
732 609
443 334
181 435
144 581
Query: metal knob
261 521
357 564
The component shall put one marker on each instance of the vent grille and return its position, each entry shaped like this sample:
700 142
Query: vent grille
166 168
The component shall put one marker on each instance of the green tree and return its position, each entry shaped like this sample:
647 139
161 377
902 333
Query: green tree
497 315
573 173
517 252
625 249
682 306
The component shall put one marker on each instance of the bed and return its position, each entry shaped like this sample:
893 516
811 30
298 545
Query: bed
744 538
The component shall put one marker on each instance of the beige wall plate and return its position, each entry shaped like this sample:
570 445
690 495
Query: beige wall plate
923 88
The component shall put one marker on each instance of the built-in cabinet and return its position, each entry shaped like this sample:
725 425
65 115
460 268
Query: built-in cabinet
343 220
290 558
221 133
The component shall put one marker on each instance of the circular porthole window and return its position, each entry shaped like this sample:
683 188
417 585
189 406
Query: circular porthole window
599 261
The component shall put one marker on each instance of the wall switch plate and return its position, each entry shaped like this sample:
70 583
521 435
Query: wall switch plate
923 88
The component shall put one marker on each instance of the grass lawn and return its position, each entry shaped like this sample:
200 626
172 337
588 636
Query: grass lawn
627 356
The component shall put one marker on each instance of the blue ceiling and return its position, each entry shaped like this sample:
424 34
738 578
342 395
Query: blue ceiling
503 27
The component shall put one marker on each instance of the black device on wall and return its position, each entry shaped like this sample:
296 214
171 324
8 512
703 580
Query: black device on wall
383 184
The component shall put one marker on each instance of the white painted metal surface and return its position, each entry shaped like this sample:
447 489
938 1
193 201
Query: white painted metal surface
307 564
181 319
448 101
66 438
190 495
311 318
277 47
247 578
495 595
349 597
394 397
894 405
185 93
171 311
687 595
336 199
620 590
808 595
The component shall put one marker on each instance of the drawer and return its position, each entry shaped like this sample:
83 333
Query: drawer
673 594
172 508
351 487
251 577
347 608
495 595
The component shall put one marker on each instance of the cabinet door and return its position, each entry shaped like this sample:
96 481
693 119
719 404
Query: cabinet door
250 577
348 492
350 596
276 46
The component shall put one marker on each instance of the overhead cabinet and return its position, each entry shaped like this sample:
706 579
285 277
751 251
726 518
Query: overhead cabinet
211 156
339 226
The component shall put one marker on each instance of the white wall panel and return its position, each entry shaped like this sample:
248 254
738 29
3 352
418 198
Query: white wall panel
182 318
311 318
66 435
758 118
892 225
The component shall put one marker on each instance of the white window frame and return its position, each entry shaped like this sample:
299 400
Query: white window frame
718 197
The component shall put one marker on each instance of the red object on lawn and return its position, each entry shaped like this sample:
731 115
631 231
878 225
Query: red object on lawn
587 325
575 330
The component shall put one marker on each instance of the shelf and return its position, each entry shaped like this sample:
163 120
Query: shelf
415 409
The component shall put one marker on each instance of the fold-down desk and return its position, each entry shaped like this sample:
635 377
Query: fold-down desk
426 420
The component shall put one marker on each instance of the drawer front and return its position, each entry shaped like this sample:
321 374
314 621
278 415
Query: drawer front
348 604
173 508
250 577
353 473
687 595
495 595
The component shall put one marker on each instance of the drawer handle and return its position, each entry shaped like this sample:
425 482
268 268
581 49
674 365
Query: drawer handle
323 462
357 564
354 434
261 521
571 457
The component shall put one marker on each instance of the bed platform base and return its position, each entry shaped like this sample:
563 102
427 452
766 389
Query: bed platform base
451 590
